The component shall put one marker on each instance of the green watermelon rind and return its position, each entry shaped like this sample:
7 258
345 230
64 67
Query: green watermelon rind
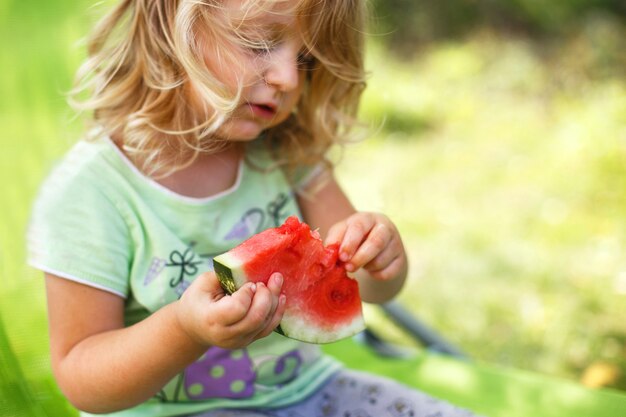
229 271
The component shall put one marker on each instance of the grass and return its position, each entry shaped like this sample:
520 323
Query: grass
502 161
509 190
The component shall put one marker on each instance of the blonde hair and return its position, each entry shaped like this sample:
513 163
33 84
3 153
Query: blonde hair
144 56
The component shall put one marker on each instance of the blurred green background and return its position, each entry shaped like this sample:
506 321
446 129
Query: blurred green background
497 144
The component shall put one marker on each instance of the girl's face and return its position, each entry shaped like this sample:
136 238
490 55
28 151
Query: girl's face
272 76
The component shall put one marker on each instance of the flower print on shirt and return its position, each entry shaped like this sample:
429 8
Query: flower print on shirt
257 219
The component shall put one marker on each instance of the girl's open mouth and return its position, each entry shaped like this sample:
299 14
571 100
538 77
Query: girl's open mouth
265 111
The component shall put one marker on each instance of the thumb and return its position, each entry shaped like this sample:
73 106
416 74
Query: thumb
209 284
235 307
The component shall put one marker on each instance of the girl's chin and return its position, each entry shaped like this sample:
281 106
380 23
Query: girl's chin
241 130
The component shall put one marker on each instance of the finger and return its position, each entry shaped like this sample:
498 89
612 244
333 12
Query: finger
391 271
208 283
335 233
259 312
235 308
376 242
382 260
358 227
276 318
274 285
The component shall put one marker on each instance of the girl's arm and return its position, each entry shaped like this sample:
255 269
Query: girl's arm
369 242
101 366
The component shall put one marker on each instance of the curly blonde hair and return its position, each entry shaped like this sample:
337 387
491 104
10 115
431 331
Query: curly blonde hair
145 55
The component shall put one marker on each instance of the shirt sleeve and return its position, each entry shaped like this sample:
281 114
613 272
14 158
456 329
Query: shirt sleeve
77 232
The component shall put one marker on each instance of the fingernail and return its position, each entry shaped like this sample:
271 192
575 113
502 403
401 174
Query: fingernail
253 287
278 279
344 256
349 267
282 299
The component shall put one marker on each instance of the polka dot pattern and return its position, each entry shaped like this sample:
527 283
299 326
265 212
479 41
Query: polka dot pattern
220 373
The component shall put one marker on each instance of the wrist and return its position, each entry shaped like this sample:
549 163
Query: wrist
375 290
188 338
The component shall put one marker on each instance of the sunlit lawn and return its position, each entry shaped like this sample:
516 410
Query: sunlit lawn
503 163
507 174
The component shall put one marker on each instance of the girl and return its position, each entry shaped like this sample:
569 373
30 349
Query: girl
212 122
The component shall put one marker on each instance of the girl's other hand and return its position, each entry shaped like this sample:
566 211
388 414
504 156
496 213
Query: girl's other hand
370 241
212 318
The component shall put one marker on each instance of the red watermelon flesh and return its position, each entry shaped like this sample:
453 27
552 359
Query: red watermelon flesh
323 302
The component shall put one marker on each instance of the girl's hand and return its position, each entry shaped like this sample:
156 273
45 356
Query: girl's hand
370 241
211 317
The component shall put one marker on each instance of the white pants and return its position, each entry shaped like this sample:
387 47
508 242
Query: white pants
357 394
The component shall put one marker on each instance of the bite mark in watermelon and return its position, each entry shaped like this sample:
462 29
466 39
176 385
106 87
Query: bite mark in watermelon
323 302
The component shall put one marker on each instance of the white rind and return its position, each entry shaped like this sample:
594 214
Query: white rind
297 327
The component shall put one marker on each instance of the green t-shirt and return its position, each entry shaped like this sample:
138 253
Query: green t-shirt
100 222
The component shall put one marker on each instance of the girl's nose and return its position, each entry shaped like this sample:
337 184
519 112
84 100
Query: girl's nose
282 69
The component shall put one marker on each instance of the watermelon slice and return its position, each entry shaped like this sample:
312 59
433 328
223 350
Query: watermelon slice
323 302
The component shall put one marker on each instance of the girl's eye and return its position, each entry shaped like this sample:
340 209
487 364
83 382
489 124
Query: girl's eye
260 49
306 60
